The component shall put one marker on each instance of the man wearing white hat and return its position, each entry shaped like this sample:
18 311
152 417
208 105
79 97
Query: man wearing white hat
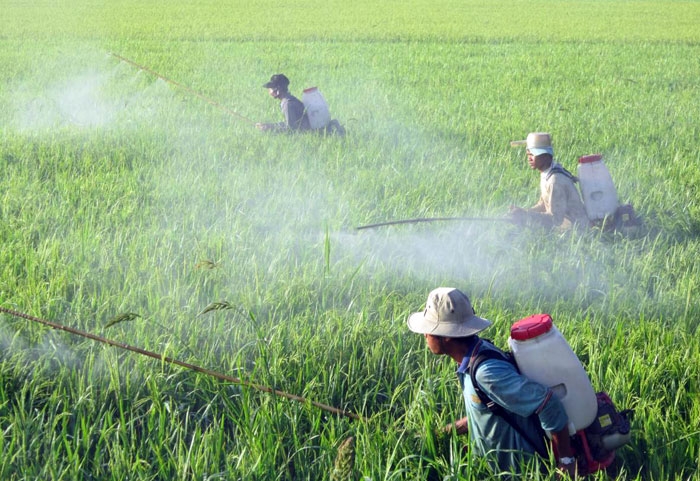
450 327
560 203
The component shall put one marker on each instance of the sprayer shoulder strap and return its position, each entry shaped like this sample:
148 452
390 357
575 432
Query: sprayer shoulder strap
558 169
479 356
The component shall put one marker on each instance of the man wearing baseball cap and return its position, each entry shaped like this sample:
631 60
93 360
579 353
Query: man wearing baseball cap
560 203
508 440
292 108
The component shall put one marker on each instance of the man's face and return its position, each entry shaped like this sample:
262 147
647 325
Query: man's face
434 343
274 92
537 163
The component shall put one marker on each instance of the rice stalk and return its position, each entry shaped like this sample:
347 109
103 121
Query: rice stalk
125 317
217 306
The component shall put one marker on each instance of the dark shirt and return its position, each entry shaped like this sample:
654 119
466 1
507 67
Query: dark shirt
294 115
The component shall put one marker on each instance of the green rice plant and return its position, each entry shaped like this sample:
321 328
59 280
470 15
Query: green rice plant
114 180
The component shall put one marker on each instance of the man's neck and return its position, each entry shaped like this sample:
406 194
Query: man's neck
545 168
460 347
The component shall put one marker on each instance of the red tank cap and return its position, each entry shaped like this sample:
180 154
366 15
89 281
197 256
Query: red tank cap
531 327
310 89
587 159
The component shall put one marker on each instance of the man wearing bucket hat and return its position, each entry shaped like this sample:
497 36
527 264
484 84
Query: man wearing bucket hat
450 327
295 117
560 203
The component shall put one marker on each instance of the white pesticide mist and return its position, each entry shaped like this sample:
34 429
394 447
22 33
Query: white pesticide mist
87 99
79 102
50 349
216 196
274 215
434 250
74 102
571 271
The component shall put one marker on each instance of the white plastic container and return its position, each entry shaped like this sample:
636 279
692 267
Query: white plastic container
597 187
543 355
316 108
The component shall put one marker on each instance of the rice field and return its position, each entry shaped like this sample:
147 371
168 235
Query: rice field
136 211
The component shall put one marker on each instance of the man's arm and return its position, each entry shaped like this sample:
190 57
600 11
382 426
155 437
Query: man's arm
561 442
558 202
538 207
270 126
524 397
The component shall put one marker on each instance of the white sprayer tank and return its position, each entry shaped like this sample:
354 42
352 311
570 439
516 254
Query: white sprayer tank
543 355
316 108
597 187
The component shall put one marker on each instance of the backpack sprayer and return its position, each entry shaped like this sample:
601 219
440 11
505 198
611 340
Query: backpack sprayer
600 196
541 353
316 110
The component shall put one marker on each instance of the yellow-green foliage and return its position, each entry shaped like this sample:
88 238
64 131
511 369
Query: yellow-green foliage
441 20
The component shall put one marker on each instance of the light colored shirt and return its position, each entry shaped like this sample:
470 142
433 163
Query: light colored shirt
560 203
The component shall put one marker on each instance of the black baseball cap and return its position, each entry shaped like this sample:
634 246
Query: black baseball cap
278 80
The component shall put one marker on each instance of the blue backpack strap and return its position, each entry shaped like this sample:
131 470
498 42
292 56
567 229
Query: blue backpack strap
558 169
478 356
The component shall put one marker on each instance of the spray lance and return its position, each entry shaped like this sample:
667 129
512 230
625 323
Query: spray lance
186 89
433 219
514 143
186 365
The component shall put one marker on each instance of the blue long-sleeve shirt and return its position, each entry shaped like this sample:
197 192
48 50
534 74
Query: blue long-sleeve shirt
490 433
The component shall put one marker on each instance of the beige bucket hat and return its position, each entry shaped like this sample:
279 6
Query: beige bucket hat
448 313
537 143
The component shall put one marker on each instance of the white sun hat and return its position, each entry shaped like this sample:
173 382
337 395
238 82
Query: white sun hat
537 143
448 313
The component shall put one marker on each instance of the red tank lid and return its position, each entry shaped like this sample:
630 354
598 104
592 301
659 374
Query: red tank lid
531 327
310 89
587 159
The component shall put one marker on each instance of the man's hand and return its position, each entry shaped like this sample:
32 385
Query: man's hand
460 426
518 215
567 468
566 462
